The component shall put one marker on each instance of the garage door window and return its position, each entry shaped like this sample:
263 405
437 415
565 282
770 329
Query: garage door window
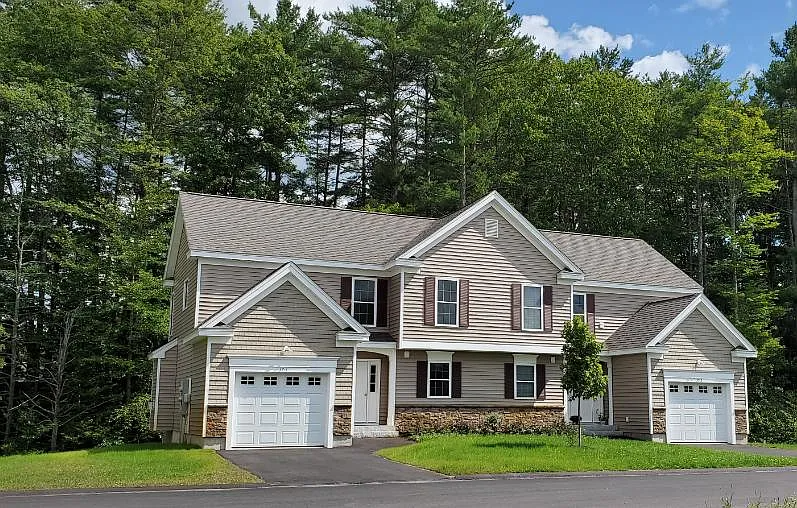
673 388
717 389
292 381
688 389
314 381
247 380
270 380
702 389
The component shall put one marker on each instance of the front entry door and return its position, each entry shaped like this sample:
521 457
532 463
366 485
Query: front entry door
591 410
366 392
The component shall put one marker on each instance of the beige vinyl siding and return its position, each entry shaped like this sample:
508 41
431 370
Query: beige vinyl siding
284 318
383 381
482 381
695 340
630 393
613 310
491 265
168 405
185 269
221 285
191 363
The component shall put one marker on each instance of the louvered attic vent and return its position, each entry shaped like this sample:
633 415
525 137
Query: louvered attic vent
491 228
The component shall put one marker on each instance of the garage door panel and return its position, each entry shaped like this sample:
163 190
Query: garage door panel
280 410
696 413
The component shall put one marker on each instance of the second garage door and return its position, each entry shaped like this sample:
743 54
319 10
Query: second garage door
697 412
279 410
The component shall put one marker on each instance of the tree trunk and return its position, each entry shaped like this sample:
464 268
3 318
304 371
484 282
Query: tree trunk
579 422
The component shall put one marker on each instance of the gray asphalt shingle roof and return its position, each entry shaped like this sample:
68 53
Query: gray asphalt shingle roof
267 228
623 260
646 323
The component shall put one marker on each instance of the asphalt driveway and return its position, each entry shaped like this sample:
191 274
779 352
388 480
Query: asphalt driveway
755 450
348 464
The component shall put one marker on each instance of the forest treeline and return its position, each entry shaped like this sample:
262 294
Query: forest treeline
108 107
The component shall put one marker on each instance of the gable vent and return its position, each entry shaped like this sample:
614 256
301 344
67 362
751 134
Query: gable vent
491 228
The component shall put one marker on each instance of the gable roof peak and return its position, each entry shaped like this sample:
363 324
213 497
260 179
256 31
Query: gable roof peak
446 227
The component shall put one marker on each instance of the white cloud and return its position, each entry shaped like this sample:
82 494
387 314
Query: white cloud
238 12
789 4
653 65
710 5
653 9
577 40
753 69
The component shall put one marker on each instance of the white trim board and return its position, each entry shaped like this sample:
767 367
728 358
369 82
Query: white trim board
508 212
498 347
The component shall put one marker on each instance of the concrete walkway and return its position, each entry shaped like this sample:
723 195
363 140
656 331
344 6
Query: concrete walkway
756 450
347 464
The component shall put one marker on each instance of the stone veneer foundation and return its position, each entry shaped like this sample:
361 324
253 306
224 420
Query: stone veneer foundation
414 420
659 421
217 421
342 421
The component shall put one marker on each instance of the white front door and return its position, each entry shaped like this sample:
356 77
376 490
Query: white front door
697 412
366 392
271 409
591 410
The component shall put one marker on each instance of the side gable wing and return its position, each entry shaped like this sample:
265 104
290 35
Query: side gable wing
508 212
716 318
288 273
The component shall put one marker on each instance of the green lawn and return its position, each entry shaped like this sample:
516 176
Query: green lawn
122 466
474 454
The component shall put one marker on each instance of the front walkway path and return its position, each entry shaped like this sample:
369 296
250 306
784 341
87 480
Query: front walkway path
347 464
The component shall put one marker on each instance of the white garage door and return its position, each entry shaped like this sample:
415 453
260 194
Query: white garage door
279 410
697 412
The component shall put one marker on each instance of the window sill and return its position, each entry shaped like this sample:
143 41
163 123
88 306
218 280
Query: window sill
441 325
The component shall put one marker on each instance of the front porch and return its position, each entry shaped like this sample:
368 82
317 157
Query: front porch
373 391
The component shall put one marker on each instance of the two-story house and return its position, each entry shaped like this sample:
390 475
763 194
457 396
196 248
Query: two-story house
297 325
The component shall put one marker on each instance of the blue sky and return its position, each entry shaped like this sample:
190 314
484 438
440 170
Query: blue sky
657 34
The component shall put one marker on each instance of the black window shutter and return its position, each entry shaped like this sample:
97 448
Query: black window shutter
456 380
540 384
547 307
591 312
420 380
381 302
509 380
345 293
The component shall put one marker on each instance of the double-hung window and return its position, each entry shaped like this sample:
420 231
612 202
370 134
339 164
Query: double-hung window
532 307
525 376
439 374
364 301
580 305
447 302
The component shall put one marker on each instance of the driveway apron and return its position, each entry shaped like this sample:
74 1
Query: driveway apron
320 466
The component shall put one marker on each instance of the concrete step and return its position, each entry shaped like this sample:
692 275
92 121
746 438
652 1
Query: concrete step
600 429
362 431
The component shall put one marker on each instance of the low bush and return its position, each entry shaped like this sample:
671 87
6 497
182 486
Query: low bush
773 419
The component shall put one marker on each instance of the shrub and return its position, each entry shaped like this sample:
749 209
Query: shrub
130 423
773 419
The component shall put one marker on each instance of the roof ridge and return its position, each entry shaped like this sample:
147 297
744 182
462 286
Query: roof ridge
592 234
305 205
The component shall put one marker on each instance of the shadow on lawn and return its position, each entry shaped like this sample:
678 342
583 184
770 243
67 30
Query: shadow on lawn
513 445
140 447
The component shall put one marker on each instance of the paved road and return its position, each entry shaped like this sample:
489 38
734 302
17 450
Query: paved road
664 489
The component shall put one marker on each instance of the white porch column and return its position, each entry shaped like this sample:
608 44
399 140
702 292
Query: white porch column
391 389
